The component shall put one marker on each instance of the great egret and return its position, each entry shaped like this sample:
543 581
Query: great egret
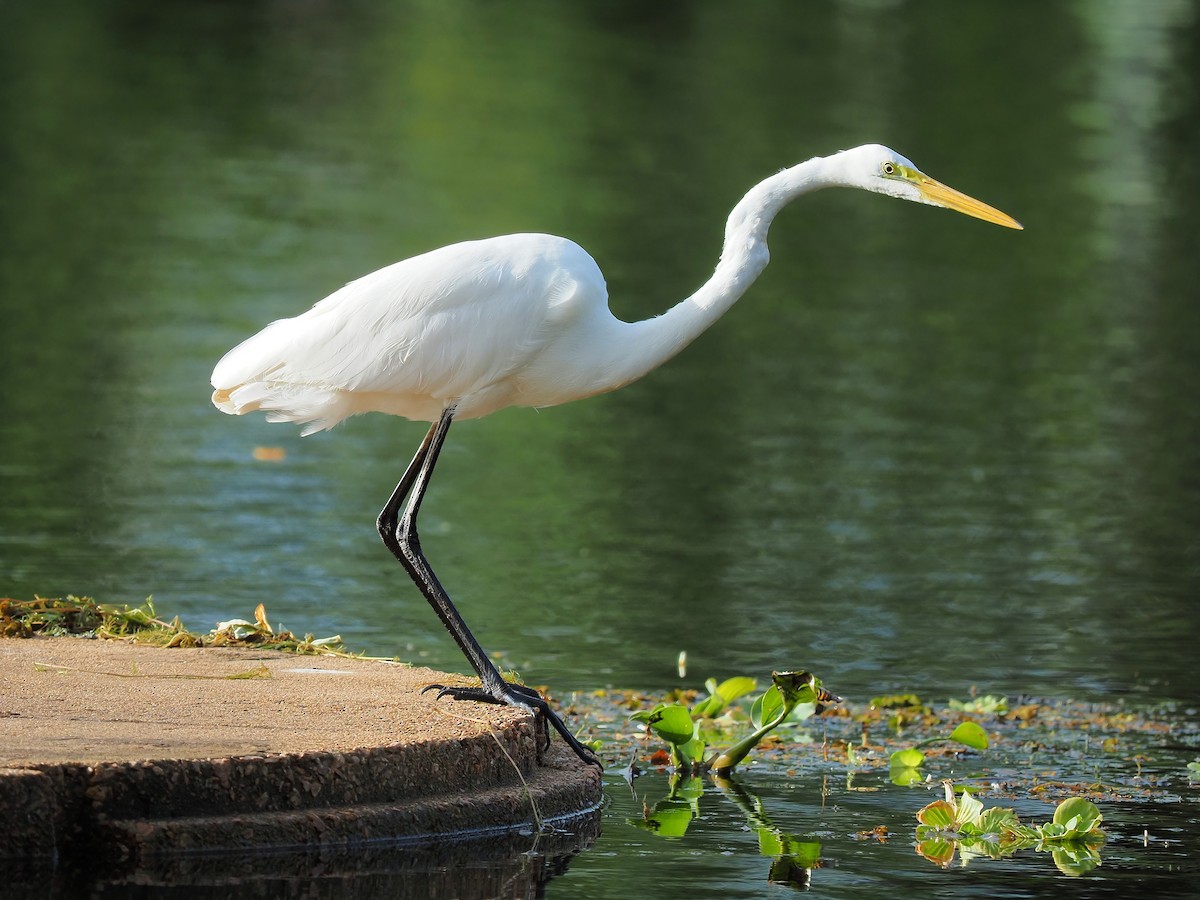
519 320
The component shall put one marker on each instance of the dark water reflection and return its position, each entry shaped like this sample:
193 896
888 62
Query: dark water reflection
922 454
504 865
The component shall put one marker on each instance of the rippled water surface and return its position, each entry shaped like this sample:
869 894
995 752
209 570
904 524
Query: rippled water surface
923 453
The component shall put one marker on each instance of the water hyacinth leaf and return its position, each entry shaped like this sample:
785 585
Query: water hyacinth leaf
802 711
998 820
767 708
675 725
721 695
691 752
770 843
233 623
1073 838
804 853
1078 817
733 688
672 723
969 810
939 814
895 701
710 707
911 758
788 690
971 734
987 704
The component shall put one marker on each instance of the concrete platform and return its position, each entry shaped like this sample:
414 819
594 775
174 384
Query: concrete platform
117 752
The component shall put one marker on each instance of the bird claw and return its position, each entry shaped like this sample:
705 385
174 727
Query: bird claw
511 694
463 692
483 695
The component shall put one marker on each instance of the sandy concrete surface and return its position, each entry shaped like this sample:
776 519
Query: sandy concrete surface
116 750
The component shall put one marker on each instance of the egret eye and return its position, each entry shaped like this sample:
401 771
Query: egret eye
889 168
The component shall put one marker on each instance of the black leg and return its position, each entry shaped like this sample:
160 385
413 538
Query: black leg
399 532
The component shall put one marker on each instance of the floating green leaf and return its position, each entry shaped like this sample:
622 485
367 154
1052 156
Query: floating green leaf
720 696
1078 818
986 704
896 701
971 734
671 723
1072 835
939 814
910 758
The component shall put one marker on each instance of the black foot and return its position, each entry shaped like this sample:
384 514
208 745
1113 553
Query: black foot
510 694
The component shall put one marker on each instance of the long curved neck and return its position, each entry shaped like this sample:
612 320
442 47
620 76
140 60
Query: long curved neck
651 342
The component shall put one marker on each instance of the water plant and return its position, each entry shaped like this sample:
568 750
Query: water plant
988 704
905 764
961 823
793 696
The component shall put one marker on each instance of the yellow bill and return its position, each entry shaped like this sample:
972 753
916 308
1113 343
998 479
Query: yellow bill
942 195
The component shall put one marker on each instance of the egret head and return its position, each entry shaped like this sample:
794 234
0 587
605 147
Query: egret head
876 168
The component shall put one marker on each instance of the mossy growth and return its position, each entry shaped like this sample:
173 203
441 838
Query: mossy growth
84 617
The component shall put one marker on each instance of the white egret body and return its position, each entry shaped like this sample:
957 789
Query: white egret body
519 320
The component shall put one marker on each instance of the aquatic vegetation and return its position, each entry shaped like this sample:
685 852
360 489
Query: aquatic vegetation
987 704
1073 756
904 764
793 696
959 822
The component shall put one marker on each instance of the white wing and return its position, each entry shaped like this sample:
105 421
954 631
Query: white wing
449 327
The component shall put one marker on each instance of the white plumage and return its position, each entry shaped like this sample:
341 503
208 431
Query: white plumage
460 324
519 320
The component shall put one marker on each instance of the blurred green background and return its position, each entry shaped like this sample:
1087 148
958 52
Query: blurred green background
922 453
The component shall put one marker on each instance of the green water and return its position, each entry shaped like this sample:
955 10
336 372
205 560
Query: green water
923 453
